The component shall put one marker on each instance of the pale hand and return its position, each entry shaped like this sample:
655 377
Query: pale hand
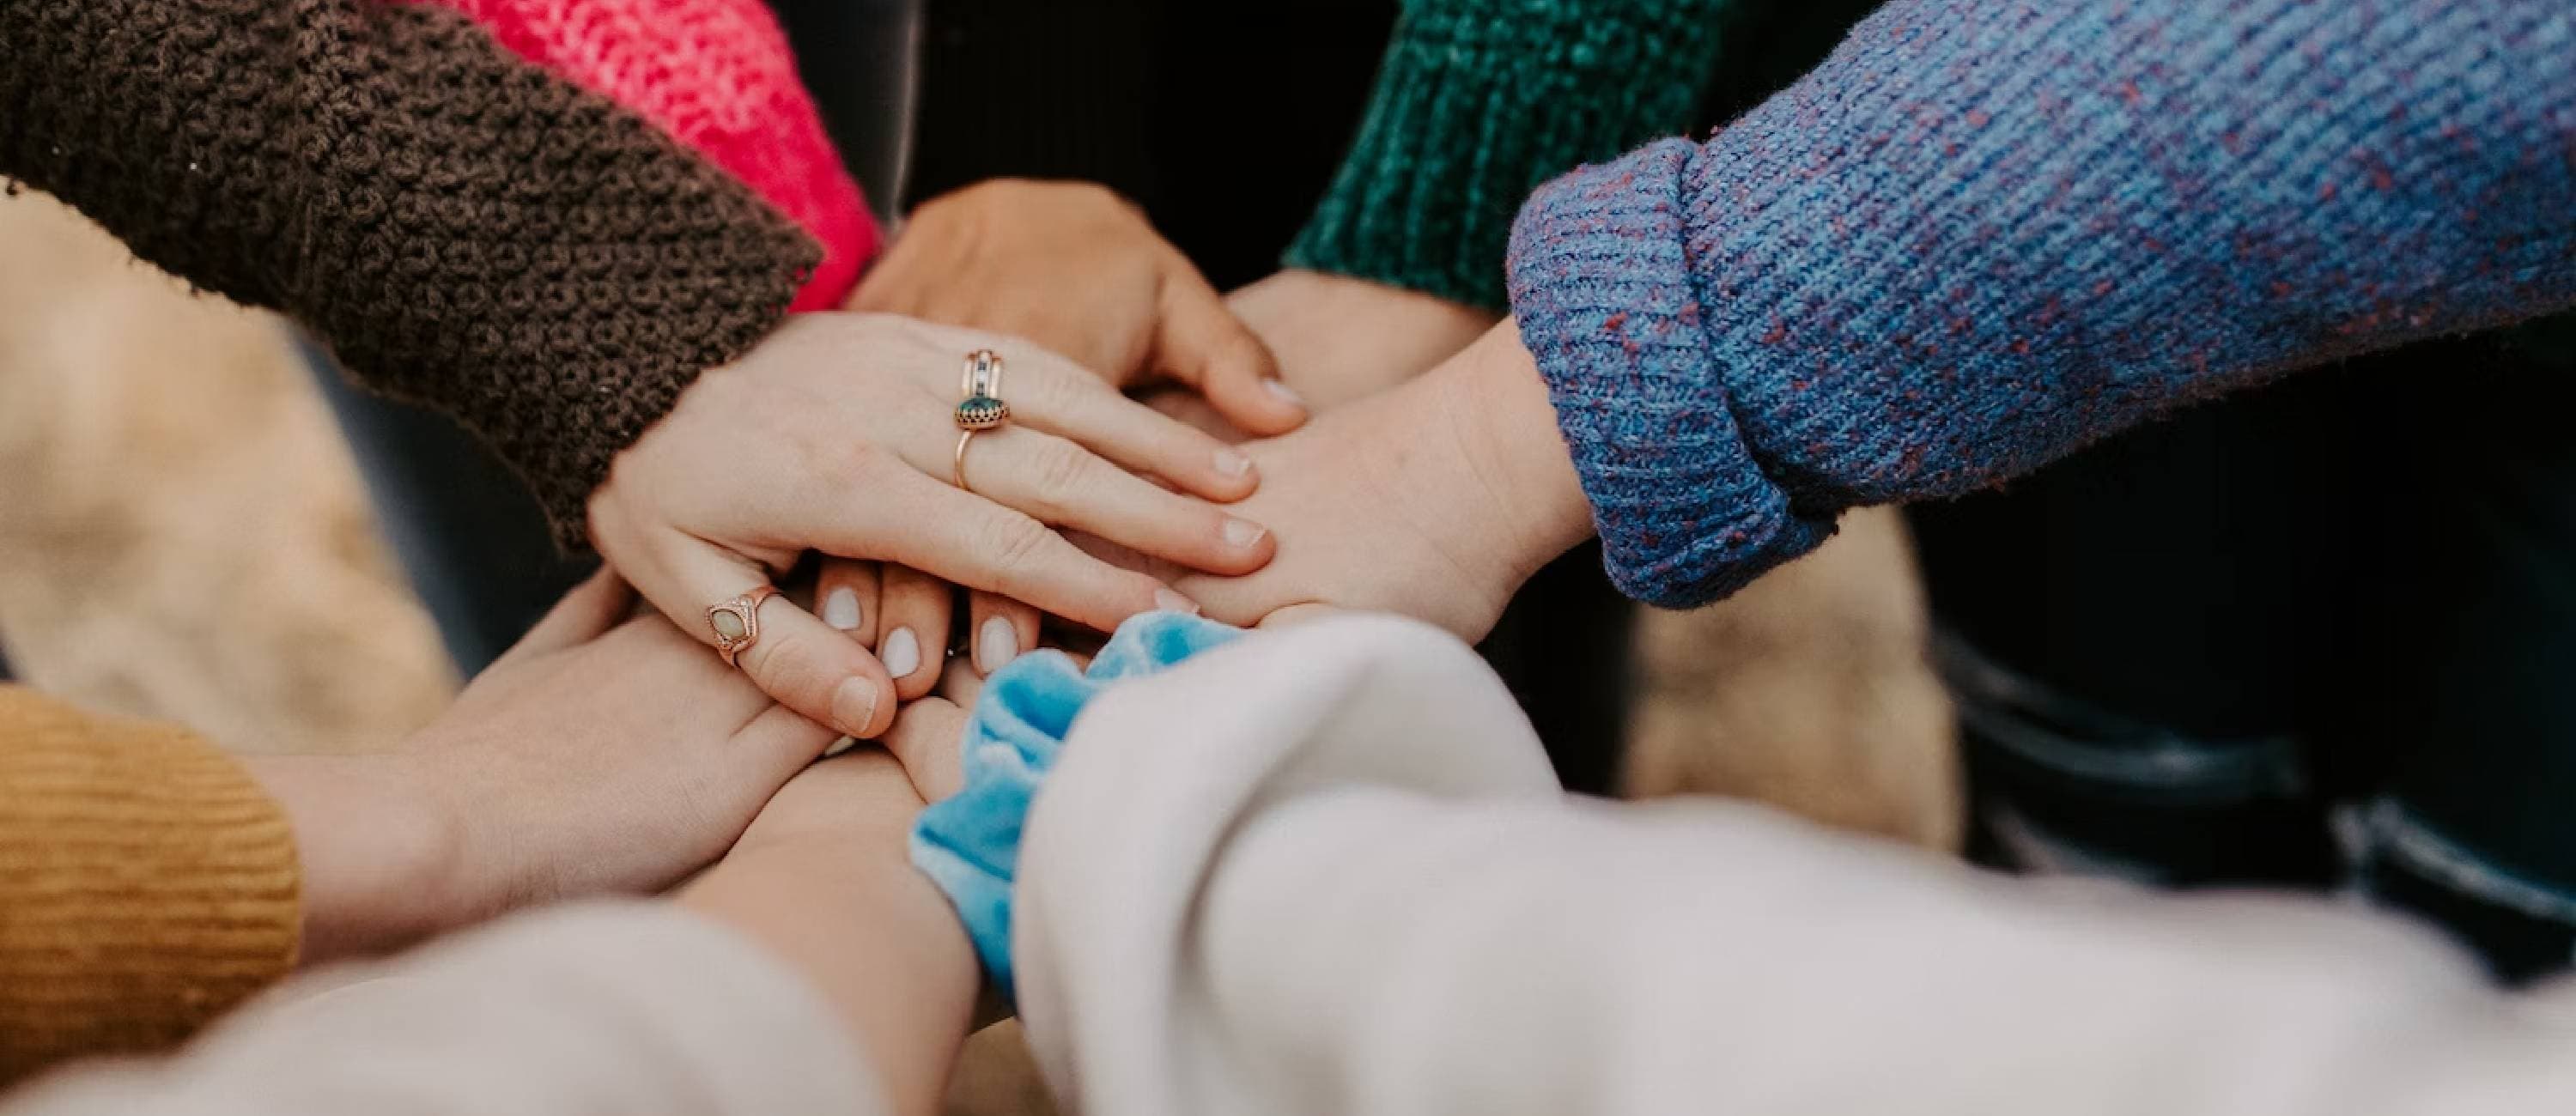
600 755
1072 267
836 435
1436 499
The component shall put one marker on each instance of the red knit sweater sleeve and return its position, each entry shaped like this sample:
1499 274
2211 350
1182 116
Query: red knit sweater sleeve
716 75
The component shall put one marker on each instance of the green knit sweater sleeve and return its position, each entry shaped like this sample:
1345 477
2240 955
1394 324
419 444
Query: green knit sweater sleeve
1480 101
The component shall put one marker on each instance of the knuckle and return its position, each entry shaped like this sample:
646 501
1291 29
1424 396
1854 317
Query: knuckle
1243 354
1016 542
1060 468
858 462
796 670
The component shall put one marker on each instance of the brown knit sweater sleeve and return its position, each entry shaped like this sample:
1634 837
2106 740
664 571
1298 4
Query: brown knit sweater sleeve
146 884
461 228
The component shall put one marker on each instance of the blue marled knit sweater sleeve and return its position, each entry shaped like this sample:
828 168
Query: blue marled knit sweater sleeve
1986 232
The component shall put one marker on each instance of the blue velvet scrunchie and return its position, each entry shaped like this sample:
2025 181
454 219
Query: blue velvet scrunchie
970 844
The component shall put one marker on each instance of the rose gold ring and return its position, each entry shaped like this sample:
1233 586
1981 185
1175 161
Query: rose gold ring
737 622
982 408
957 468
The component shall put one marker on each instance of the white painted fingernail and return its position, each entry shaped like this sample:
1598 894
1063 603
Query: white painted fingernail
1240 533
854 705
900 653
841 609
1233 463
1170 601
1285 393
996 644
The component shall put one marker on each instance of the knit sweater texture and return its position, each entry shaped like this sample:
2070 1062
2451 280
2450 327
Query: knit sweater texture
1478 102
461 228
718 76
1987 232
147 884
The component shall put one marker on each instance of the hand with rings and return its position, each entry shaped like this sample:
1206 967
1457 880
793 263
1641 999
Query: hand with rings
1079 270
847 435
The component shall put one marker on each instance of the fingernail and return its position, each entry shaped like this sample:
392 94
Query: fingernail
841 609
854 705
1285 393
1170 601
1232 462
900 653
996 644
841 745
1240 533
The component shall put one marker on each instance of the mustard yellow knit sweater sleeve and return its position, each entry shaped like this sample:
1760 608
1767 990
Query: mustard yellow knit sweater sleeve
147 883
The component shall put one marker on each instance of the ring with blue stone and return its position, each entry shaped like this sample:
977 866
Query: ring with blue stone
982 412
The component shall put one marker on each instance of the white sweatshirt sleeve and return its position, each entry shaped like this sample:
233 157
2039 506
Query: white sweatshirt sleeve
1326 871
633 1008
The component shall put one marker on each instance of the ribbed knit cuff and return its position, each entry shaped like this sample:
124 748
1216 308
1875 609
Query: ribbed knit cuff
1606 302
147 884
1479 101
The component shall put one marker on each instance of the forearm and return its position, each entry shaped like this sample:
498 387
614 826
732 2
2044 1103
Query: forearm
146 885
1477 102
1499 957
631 1007
460 229
1326 870
379 857
844 909
1987 232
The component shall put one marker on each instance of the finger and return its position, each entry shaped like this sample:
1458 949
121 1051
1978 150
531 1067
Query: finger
914 619
1192 408
1134 435
797 659
847 596
585 614
1201 343
960 685
1292 615
774 746
926 740
915 521
1059 482
999 629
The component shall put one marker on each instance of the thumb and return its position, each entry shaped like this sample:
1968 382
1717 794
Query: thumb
1293 615
1198 341
584 614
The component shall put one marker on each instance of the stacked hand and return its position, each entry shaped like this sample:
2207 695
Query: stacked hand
836 435
1071 268
607 754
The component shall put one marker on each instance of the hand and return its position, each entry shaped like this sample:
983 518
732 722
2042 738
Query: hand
824 881
600 755
837 435
1074 268
1436 499
1340 338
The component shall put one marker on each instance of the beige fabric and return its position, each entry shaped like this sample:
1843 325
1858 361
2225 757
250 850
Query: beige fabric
635 1009
1326 871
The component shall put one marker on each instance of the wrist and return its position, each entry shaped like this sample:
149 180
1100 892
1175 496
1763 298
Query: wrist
869 935
1508 434
378 856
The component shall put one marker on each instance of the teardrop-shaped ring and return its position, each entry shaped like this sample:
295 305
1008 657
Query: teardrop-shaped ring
736 622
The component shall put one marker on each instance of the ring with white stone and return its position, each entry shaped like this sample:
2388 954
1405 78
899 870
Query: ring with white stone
736 623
